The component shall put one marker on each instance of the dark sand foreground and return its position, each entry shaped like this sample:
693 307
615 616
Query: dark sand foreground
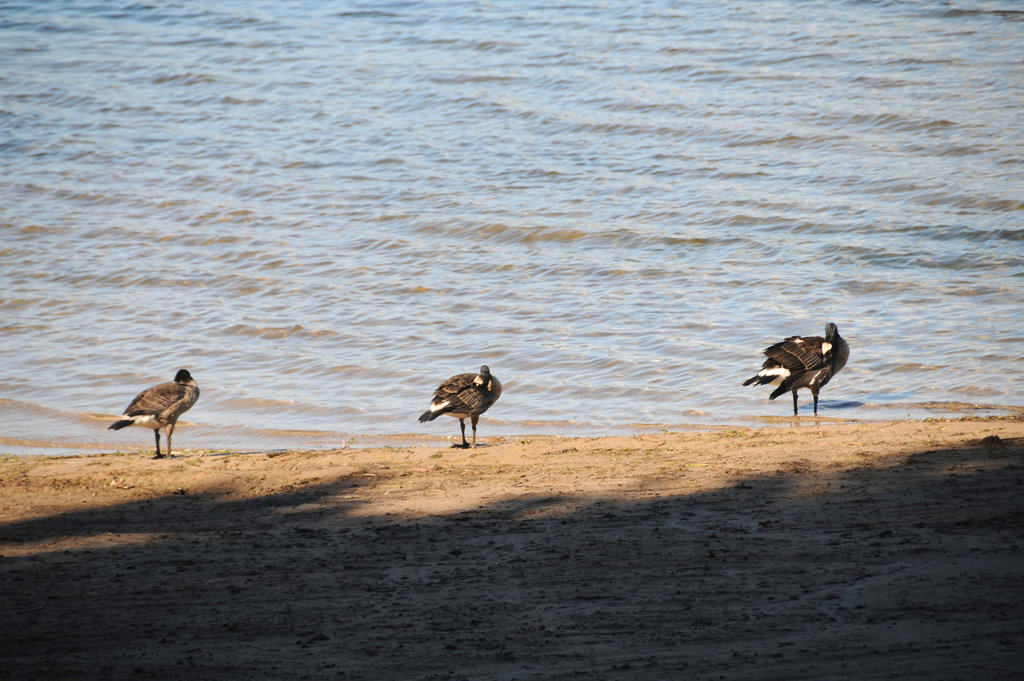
868 551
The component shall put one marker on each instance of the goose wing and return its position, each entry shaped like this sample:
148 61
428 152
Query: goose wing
799 354
158 399
464 392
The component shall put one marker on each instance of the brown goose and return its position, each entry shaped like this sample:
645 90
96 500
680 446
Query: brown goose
803 362
160 406
465 396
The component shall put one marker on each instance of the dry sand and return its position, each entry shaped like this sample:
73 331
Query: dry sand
867 551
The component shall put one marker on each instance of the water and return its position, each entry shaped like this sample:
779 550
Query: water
323 209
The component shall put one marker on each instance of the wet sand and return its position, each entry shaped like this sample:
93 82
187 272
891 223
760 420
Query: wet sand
876 551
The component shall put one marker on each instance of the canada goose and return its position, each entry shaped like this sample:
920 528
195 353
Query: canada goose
160 406
803 362
465 396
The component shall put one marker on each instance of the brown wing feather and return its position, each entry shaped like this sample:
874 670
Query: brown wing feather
165 401
462 391
453 386
797 354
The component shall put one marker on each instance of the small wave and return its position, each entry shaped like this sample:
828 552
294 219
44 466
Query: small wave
907 367
789 140
475 78
960 13
368 14
186 79
887 121
954 406
270 332
969 202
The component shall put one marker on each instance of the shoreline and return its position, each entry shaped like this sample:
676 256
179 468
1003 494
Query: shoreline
881 550
31 429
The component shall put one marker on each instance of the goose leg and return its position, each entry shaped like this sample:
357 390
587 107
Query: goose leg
475 419
462 426
795 412
170 429
156 434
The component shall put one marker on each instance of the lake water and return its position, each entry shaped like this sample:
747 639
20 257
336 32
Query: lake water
323 209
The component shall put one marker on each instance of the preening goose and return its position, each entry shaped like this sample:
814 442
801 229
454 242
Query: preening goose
160 406
465 396
803 362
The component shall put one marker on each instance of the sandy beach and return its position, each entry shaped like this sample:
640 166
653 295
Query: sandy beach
867 550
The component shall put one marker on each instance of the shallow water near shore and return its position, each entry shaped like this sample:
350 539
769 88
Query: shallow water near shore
322 210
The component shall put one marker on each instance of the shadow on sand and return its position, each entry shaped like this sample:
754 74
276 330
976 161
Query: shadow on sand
884 572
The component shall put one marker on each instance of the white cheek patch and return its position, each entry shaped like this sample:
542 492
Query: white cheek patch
478 380
825 348
438 406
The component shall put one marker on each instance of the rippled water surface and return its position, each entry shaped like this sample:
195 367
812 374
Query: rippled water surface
323 209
